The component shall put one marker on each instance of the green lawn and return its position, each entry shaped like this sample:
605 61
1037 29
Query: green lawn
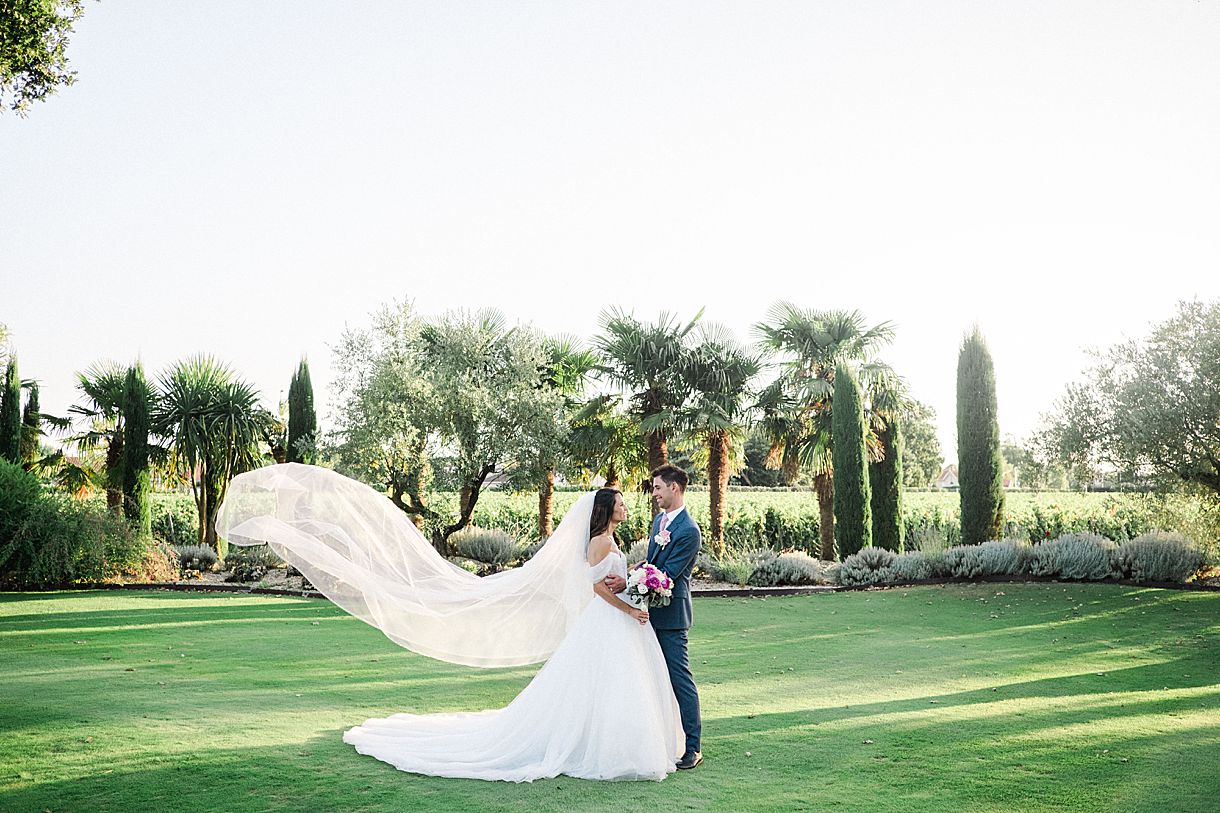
1060 697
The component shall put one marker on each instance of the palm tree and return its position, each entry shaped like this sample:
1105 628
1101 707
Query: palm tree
608 442
103 384
567 369
646 359
796 407
214 424
719 373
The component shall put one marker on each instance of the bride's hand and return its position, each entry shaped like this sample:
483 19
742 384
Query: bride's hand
640 615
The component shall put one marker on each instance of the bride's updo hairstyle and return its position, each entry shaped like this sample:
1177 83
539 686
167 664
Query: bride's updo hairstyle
603 510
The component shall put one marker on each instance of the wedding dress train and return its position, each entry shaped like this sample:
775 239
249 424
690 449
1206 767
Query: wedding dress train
601 707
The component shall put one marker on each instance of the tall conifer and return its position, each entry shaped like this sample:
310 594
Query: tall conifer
302 420
885 478
852 497
980 467
31 428
137 487
10 413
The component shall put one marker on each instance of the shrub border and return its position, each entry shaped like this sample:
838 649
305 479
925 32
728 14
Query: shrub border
741 592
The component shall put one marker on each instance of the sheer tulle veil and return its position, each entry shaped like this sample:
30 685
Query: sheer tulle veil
366 556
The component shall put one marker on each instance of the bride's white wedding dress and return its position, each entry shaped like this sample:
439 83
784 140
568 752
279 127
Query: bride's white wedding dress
601 708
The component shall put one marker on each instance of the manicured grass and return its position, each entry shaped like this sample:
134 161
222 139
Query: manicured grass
1042 697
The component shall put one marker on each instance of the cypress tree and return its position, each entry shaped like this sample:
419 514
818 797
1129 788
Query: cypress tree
137 505
302 421
31 428
980 468
885 478
852 497
10 413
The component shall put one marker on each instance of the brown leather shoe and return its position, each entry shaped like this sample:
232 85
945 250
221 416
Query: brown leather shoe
690 760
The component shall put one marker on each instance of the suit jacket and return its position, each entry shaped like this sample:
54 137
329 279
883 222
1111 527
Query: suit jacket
677 559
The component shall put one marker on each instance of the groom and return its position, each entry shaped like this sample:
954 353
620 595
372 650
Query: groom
673 544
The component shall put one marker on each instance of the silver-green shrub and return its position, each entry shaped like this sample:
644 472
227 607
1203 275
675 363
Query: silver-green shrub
195 557
638 552
485 545
1005 557
868 566
1160 557
911 566
963 561
1076 556
777 570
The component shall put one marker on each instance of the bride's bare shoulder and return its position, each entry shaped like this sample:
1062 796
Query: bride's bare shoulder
599 547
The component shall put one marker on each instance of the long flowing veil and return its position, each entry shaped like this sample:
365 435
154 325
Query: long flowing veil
366 556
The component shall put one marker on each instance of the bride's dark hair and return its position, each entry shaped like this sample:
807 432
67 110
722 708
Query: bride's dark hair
603 510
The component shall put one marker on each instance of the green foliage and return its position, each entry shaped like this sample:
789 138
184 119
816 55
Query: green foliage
214 424
34 50
48 539
1160 557
10 413
1149 405
137 401
19 490
885 481
490 547
922 459
175 518
852 494
979 463
302 420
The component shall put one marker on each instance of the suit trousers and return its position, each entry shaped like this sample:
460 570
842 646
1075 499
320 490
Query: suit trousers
673 647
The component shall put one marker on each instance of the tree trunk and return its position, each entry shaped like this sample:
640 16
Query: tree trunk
658 455
612 478
825 487
114 474
718 481
546 506
468 498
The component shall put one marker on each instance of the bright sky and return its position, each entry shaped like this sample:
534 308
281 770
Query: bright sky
246 178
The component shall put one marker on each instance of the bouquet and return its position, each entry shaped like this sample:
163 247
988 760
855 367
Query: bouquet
649 586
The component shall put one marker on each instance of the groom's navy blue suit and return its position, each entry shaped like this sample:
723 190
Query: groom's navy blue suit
677 558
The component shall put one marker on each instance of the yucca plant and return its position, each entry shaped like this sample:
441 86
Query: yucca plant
214 424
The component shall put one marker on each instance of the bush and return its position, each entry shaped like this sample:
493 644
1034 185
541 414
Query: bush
1076 556
1005 557
1160 557
490 547
250 564
196 557
175 518
60 541
638 552
778 570
869 566
911 566
159 564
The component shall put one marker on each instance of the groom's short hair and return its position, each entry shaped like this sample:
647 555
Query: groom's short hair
672 474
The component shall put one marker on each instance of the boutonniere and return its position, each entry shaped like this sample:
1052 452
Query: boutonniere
662 538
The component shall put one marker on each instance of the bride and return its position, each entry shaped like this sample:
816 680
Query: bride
601 707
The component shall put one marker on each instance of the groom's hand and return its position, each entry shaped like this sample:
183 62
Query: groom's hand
616 584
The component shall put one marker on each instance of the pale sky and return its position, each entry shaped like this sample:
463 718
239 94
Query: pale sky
246 179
